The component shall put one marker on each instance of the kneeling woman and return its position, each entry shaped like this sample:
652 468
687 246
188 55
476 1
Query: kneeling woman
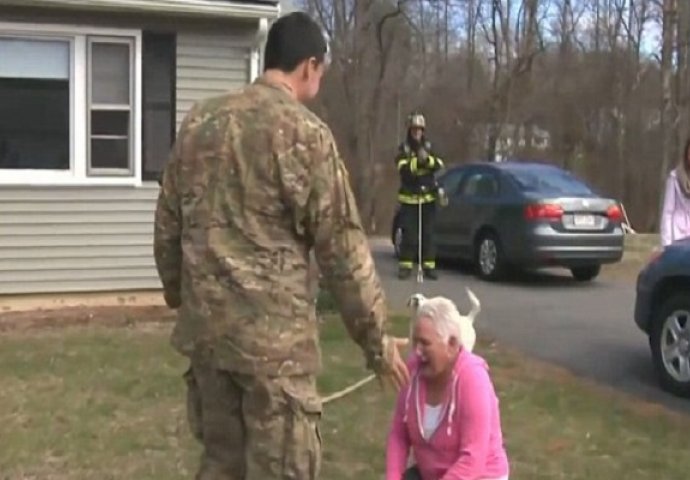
448 415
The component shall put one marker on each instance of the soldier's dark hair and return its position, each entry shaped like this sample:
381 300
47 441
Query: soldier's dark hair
293 39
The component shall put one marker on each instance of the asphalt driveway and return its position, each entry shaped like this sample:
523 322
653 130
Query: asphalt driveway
587 328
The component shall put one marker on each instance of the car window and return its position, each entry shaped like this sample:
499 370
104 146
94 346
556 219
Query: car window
480 184
451 181
550 181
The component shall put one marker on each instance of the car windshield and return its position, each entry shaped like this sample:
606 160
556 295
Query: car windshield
550 181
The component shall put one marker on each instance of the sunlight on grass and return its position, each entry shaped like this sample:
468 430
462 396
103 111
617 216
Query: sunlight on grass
108 403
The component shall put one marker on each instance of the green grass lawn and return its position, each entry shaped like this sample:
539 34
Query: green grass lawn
87 402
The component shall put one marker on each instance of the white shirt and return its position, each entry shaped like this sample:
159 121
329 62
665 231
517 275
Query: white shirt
432 418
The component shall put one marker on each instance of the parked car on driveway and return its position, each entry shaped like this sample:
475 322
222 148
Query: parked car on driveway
524 215
662 312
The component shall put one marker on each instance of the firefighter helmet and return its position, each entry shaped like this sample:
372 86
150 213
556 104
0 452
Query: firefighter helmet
416 119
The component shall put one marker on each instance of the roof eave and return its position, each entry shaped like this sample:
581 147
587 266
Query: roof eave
184 8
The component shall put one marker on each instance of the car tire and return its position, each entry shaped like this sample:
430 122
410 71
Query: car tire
586 274
675 308
488 259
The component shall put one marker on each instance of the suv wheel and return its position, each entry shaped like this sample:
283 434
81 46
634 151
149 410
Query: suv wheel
670 344
489 257
585 274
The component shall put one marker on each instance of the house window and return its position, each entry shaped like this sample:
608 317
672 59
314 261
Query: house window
110 106
35 94
70 102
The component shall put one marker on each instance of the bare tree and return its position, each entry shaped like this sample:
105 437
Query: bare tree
669 117
575 82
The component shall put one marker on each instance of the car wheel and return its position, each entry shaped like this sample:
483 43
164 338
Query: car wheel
670 344
585 274
489 257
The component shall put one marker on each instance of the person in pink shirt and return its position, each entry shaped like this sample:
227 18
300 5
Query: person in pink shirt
675 215
448 415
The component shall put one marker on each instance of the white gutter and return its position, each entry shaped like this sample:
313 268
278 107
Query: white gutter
195 8
256 56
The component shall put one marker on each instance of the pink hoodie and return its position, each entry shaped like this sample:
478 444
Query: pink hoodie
468 443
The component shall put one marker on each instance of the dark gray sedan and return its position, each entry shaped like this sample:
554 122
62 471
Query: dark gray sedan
525 215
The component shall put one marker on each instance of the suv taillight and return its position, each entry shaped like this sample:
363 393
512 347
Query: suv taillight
543 211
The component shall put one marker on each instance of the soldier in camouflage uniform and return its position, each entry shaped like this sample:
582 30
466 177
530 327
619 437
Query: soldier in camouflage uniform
254 184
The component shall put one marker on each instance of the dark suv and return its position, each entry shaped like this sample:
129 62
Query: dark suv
662 311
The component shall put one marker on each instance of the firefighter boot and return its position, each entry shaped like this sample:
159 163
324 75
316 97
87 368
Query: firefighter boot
404 273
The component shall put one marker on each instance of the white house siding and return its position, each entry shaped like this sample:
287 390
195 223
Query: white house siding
89 239
76 239
208 65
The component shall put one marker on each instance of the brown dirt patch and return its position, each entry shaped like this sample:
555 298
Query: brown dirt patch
84 316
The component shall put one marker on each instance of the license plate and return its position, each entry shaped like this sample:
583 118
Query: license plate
584 220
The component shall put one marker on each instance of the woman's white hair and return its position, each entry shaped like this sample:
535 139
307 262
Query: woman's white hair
444 316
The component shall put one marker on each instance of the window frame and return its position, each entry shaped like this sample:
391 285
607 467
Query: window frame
62 175
92 171
80 173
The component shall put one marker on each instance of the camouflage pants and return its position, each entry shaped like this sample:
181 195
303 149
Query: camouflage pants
254 428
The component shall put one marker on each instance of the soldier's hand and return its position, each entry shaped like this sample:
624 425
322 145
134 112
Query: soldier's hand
400 373
394 369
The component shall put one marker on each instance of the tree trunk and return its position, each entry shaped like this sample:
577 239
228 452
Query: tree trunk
668 108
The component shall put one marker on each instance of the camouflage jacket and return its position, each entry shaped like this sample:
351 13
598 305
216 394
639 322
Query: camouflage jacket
253 184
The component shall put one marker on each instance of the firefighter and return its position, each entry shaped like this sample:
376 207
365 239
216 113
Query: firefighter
418 194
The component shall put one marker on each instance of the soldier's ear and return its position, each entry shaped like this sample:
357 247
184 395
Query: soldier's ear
304 67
